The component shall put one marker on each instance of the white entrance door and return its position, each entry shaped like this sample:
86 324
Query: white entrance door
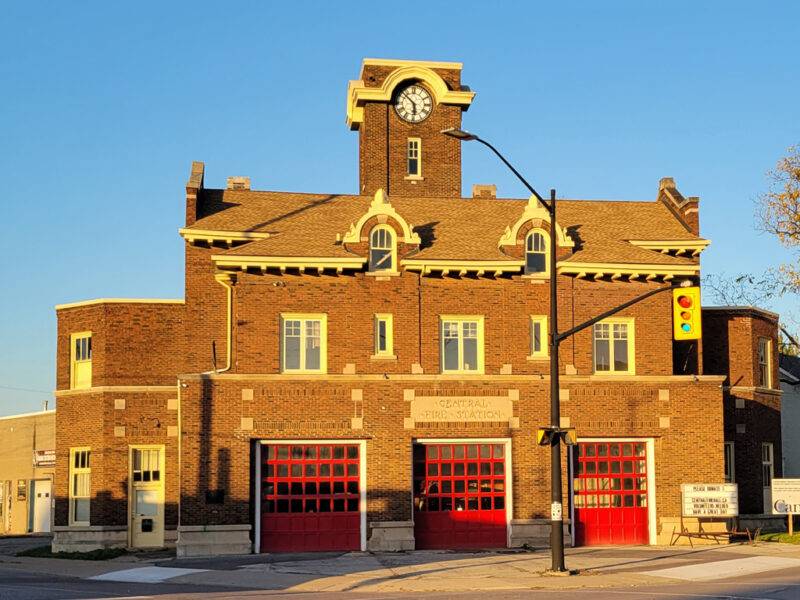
147 497
41 492
768 470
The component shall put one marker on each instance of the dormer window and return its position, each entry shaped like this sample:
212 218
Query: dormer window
381 249
536 252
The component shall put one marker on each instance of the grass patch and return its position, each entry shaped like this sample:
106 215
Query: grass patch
99 554
784 538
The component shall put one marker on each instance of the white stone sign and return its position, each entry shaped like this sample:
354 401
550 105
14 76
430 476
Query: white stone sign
785 496
461 408
710 499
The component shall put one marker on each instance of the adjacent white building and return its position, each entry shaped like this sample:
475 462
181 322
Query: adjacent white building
790 414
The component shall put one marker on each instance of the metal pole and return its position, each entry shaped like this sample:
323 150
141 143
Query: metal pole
556 510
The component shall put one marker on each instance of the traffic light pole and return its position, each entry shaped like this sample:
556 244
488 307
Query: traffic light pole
556 505
556 510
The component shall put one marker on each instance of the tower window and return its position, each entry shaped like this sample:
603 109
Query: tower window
535 253
414 154
381 249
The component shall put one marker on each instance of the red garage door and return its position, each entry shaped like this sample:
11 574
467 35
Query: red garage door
610 493
310 497
459 496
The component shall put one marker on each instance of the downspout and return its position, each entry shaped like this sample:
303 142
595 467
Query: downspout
180 461
226 280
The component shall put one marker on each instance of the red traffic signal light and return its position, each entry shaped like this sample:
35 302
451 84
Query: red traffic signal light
686 318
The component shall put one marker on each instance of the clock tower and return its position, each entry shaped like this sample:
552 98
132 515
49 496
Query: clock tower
399 108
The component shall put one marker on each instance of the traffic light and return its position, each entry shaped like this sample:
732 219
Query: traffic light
546 436
686 319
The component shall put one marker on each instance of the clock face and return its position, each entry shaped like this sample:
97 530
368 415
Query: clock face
414 104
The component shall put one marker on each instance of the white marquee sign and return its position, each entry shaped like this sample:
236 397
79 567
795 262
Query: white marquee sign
785 496
710 500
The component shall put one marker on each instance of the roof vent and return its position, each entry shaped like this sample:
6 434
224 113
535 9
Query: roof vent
238 183
484 190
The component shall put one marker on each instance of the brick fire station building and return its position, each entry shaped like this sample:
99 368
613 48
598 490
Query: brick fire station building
367 371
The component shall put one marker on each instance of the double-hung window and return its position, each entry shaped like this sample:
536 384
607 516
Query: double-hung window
80 485
461 344
730 464
304 343
538 347
614 347
383 343
81 360
764 359
414 156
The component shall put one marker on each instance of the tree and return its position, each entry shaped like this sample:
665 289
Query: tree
778 213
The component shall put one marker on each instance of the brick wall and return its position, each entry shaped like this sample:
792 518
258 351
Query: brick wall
416 305
217 452
382 143
98 421
206 304
132 343
752 413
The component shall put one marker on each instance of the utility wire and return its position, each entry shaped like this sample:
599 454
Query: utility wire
18 389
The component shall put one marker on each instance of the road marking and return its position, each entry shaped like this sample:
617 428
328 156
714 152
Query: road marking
723 569
146 574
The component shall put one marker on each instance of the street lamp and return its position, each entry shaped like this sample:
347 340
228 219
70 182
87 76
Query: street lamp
556 434
556 505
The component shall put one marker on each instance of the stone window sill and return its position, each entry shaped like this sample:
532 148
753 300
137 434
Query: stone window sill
414 178
383 357
380 274
538 357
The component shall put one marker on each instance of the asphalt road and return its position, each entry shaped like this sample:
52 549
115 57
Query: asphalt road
21 585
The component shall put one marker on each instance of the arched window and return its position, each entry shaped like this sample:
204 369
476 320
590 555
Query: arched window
536 252
381 249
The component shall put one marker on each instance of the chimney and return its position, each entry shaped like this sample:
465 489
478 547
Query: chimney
193 188
685 209
484 190
238 183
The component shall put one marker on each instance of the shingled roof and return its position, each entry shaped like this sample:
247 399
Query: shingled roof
467 229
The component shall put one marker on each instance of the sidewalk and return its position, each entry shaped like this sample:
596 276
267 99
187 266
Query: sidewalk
429 571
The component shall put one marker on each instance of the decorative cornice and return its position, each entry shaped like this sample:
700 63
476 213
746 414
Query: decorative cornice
119 301
117 389
299 263
534 210
380 207
229 238
673 247
358 93
524 378
630 271
462 267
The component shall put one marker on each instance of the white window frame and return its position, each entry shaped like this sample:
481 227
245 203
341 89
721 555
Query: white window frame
545 251
73 473
76 361
767 466
631 339
388 320
764 362
729 460
362 480
544 351
414 151
460 320
391 247
323 341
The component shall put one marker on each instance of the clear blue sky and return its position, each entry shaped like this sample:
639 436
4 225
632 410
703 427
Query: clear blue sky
105 104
